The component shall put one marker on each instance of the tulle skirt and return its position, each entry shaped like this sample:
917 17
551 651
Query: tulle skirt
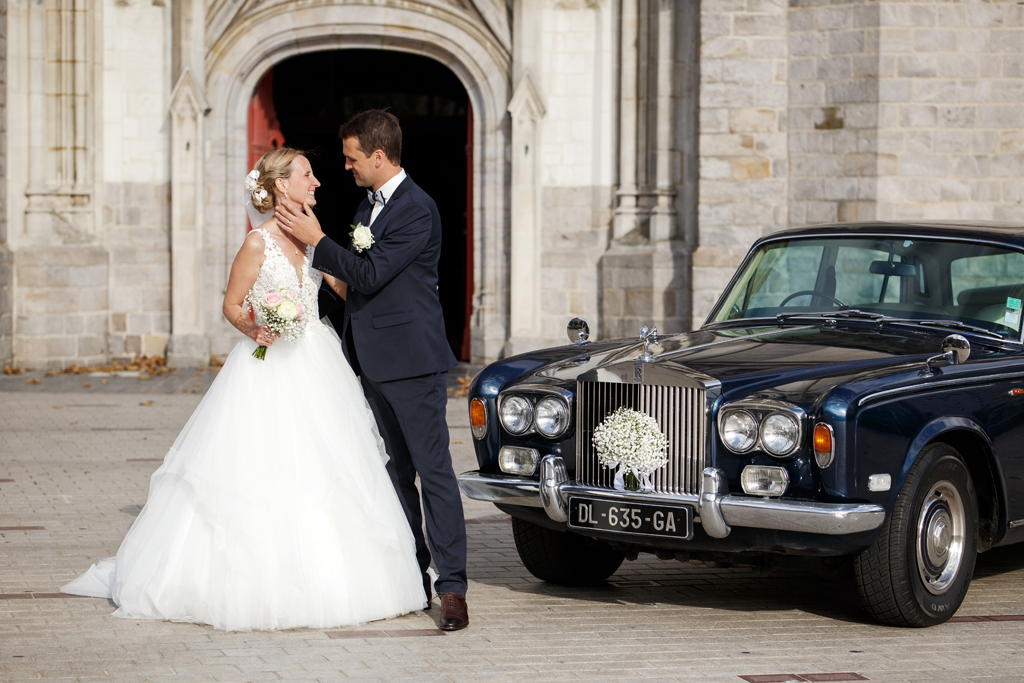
273 509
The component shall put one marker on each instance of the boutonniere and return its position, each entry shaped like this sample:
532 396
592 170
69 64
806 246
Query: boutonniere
362 238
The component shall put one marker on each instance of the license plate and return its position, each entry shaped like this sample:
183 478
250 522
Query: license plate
632 518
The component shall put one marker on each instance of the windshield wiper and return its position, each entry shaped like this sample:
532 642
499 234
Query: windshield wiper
849 313
949 324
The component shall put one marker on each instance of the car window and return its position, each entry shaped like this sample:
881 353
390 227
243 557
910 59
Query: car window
792 270
978 283
856 284
991 270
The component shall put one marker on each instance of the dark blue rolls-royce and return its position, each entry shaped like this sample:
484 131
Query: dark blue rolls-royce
857 392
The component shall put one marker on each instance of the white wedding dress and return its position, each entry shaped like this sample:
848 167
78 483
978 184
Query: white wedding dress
273 509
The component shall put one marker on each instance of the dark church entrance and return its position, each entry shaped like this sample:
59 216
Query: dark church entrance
304 100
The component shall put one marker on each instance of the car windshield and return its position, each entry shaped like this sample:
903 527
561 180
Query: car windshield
978 285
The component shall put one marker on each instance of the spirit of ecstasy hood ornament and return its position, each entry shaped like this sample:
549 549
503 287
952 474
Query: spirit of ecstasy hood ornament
648 337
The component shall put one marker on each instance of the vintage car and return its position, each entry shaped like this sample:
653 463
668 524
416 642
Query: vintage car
856 395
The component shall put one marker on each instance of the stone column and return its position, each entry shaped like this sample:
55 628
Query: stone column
644 274
6 272
188 346
527 110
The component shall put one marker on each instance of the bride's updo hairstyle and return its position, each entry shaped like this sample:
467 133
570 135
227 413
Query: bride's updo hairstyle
271 166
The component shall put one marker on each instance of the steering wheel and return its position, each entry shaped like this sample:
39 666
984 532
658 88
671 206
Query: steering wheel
811 292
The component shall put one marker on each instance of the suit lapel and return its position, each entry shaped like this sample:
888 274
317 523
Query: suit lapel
362 217
403 187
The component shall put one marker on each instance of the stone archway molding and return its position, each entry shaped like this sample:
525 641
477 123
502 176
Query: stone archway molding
254 42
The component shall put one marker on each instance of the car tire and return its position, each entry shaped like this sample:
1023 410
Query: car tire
918 570
564 558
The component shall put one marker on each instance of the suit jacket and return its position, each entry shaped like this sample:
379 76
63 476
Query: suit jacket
393 308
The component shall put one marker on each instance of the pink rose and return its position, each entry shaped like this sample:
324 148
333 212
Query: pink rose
272 299
290 294
302 310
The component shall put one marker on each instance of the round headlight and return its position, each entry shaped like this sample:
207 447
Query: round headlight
779 433
739 431
516 414
551 416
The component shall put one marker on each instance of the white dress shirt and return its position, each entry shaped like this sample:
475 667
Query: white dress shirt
385 191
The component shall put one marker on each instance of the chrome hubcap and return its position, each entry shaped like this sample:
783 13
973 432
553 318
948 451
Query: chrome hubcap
940 537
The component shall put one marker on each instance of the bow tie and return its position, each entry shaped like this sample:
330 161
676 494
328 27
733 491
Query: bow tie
376 197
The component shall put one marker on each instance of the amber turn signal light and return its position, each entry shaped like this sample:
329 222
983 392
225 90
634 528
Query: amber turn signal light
478 417
824 445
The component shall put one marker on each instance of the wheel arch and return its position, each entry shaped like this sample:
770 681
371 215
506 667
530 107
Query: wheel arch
974 446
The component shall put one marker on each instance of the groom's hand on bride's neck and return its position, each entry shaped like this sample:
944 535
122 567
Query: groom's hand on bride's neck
298 221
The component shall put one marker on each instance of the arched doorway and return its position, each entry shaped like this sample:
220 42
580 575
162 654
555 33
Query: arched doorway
312 94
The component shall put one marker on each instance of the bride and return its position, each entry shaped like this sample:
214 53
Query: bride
273 509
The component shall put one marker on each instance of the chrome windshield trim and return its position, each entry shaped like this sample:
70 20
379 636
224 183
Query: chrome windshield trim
939 383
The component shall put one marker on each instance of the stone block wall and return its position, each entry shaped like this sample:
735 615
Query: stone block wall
822 110
834 91
744 165
137 221
61 304
574 230
951 111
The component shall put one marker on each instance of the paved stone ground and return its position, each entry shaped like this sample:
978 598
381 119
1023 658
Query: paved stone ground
74 470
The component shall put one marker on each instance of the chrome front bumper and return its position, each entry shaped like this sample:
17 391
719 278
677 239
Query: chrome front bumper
717 510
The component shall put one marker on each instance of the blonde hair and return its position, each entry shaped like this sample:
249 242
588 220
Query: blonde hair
271 166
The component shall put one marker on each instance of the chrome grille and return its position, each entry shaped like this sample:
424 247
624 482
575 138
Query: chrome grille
679 412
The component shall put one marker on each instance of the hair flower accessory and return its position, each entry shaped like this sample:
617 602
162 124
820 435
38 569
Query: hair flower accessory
252 181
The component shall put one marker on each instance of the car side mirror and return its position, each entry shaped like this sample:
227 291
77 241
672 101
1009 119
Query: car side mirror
578 331
955 350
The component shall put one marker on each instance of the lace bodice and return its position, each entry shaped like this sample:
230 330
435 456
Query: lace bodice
278 274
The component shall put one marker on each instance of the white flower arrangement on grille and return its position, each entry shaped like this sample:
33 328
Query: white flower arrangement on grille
280 310
632 442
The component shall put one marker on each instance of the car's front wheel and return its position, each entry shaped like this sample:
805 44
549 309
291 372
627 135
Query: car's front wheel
918 570
564 558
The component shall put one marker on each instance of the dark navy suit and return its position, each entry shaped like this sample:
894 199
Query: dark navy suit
393 334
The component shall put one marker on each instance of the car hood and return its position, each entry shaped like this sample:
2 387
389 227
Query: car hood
801 361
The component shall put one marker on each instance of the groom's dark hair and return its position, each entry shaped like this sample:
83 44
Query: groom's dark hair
375 129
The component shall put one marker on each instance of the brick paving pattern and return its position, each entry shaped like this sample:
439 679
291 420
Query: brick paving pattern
74 472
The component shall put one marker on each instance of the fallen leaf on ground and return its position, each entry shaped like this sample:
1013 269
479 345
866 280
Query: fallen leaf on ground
146 403
58 406
74 423
103 381
197 384
86 384
150 365
32 380
167 405
8 370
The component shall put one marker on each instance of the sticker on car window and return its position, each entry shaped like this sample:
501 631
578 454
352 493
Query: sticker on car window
1012 315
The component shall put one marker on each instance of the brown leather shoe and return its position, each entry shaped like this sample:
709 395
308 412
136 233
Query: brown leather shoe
454 612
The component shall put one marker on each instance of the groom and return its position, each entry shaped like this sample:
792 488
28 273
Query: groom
393 334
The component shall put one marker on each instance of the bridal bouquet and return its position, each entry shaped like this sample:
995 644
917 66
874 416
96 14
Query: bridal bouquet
281 312
632 442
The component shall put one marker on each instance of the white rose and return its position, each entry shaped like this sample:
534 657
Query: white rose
287 310
362 238
251 180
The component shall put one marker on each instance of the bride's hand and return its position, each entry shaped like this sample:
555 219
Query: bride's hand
264 336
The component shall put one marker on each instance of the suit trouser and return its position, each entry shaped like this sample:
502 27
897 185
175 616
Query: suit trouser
411 417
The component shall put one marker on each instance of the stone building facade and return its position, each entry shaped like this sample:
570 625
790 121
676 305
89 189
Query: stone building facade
625 153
